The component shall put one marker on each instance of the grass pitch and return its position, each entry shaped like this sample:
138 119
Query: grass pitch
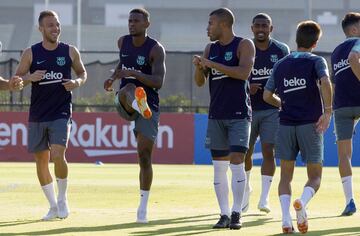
103 201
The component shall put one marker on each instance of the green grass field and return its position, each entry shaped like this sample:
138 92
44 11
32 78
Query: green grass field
103 201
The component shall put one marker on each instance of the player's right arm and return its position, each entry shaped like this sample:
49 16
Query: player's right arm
201 73
115 75
23 68
269 95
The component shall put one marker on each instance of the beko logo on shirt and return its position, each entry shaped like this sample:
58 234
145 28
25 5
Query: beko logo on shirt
294 84
341 64
53 75
217 74
262 71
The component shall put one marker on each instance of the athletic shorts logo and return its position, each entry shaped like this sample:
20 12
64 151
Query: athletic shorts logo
228 56
274 58
140 60
60 61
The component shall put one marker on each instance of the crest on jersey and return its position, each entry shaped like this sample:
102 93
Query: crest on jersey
228 56
60 61
274 58
140 60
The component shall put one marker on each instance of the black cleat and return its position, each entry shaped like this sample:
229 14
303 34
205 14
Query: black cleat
223 222
235 222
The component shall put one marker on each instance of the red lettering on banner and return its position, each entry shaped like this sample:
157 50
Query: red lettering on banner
104 137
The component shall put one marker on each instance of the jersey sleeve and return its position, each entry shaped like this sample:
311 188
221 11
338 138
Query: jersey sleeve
356 47
270 84
321 67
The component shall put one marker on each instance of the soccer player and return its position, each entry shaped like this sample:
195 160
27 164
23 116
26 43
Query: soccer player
346 76
265 117
49 63
141 70
227 63
303 92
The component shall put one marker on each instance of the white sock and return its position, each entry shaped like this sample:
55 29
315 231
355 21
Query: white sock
265 188
144 197
135 106
221 186
247 185
307 194
347 186
50 194
238 181
62 188
285 208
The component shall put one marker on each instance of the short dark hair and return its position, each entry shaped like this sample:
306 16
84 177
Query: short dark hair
349 19
142 11
46 13
307 34
225 15
262 16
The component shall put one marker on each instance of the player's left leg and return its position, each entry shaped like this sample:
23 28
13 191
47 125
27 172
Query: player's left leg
267 174
145 147
59 133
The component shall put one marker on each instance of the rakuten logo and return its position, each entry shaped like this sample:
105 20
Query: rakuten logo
97 139
341 64
53 75
262 72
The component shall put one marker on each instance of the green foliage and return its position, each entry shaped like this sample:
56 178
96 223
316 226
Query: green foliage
175 100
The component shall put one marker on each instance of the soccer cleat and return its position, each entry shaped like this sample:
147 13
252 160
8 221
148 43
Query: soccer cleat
141 217
52 214
223 222
288 229
63 209
235 222
301 216
140 96
349 209
264 207
246 200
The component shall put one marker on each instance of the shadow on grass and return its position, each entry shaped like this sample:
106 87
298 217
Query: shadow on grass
17 222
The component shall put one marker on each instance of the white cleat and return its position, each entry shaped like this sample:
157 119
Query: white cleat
52 214
301 216
246 200
141 217
63 209
264 207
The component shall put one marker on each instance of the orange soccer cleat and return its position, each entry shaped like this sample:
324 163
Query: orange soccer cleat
302 222
140 96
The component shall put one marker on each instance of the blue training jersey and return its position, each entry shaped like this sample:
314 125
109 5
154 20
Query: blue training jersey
347 86
229 97
264 62
138 58
49 98
295 79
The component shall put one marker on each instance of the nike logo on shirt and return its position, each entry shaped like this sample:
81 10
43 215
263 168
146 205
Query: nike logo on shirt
39 62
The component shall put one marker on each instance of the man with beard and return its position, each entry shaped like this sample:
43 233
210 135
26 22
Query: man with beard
265 117
141 70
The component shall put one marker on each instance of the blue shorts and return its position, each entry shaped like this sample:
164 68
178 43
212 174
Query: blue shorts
147 127
232 135
304 138
345 120
264 124
43 134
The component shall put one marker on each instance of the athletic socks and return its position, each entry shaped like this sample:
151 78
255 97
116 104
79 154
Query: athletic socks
285 208
221 186
50 194
238 181
307 194
347 186
62 188
266 181
144 197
